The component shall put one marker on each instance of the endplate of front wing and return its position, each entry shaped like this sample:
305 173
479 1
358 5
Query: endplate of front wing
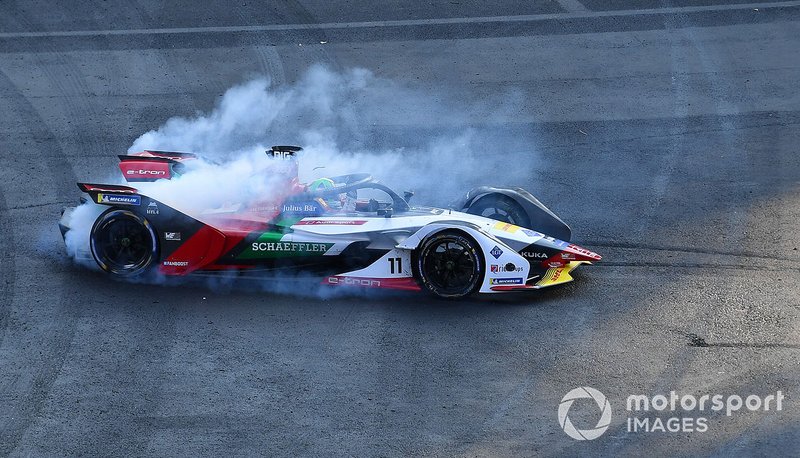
553 276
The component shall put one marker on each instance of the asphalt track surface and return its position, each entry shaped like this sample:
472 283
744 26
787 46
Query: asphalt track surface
670 138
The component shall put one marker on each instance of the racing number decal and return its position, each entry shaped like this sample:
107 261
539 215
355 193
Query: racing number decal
395 265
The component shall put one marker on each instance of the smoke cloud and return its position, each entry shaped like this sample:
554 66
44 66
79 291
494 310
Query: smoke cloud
347 122
355 121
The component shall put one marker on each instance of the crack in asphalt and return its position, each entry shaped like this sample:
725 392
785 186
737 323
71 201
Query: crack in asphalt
700 342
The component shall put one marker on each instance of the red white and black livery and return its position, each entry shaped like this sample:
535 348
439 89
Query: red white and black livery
348 230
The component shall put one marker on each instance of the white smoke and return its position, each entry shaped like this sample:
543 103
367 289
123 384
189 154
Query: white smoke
355 121
346 122
77 238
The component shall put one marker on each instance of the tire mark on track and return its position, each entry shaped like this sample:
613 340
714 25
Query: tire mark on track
8 271
271 64
45 204
307 17
679 364
139 363
56 343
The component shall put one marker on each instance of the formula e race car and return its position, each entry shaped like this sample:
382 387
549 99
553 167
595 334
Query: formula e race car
346 230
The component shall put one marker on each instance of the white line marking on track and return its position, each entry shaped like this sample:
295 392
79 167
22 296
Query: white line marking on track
402 23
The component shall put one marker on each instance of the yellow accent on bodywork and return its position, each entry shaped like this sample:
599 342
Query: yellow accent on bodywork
559 275
508 227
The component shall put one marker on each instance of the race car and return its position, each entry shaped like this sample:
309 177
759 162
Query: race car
348 230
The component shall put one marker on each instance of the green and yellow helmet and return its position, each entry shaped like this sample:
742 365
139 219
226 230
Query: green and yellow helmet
321 184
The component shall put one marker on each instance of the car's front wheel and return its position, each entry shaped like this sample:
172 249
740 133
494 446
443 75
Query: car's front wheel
123 243
449 265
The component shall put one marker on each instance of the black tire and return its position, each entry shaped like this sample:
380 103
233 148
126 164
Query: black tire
449 265
500 208
123 243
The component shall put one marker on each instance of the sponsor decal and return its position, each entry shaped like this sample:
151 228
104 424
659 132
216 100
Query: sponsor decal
354 281
505 281
323 222
152 208
531 233
173 236
555 275
496 252
555 264
533 254
302 208
263 209
271 245
292 247
176 263
284 155
568 256
507 227
510 267
582 251
405 283
119 199
146 172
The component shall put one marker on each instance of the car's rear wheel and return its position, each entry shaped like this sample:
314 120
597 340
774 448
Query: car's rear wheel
123 243
500 208
449 265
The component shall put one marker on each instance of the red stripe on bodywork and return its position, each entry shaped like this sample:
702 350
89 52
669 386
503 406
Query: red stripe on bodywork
238 228
571 253
512 287
323 222
229 266
406 284
91 187
202 248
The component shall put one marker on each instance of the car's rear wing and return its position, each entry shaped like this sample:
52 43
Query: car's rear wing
174 155
152 165
149 166
111 194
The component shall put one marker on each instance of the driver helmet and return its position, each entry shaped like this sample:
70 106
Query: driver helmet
332 202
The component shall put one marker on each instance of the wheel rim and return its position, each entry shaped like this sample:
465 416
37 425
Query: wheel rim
123 244
450 266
